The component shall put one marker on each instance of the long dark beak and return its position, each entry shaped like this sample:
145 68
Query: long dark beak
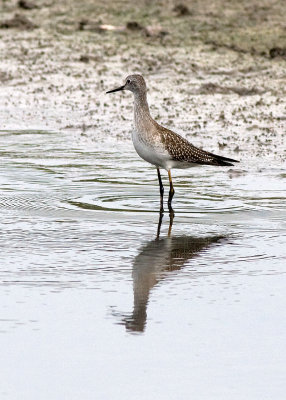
116 90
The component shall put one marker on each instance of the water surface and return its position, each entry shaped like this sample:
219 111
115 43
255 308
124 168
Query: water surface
96 303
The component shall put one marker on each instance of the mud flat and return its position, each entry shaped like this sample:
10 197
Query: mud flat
215 73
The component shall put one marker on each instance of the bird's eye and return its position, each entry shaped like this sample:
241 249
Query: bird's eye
128 81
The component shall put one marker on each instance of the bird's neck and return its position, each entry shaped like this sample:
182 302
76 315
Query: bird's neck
142 118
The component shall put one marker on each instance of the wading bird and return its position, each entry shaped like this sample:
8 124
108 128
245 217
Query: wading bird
161 146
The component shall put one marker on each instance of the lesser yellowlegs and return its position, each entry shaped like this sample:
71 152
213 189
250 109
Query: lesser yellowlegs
161 146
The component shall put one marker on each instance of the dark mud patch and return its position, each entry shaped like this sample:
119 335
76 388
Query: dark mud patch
181 10
213 88
27 5
277 52
149 31
233 47
134 26
18 22
4 76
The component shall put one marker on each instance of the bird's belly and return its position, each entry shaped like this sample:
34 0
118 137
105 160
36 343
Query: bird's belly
150 152
181 164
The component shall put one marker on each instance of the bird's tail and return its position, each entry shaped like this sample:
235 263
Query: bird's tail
222 161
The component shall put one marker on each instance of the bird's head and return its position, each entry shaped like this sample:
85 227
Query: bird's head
134 83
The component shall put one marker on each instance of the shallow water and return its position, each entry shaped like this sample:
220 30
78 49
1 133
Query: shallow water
96 303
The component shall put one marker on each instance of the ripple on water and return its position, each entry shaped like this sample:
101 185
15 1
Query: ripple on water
72 215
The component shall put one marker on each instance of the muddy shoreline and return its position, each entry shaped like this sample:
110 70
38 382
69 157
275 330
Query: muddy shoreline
216 76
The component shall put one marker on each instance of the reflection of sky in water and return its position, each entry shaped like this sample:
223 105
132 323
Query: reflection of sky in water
81 269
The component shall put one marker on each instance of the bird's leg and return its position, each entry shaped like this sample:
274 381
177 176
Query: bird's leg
161 190
171 222
159 224
171 192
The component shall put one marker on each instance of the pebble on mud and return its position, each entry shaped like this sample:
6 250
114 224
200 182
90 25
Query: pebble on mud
18 22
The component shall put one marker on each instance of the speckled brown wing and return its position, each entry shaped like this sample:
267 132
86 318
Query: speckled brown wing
181 150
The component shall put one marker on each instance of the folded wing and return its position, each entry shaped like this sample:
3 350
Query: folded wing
182 150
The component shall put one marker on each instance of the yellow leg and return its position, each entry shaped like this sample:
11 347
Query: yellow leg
171 192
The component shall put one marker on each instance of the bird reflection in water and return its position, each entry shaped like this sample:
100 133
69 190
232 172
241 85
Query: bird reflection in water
153 263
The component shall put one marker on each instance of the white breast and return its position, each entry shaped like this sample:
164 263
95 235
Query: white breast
152 152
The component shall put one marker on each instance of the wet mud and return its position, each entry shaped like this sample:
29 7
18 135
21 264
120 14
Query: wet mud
216 73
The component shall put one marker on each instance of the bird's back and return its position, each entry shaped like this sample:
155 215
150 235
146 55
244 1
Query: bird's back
182 151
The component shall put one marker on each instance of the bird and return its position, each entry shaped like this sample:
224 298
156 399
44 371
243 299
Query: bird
162 147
